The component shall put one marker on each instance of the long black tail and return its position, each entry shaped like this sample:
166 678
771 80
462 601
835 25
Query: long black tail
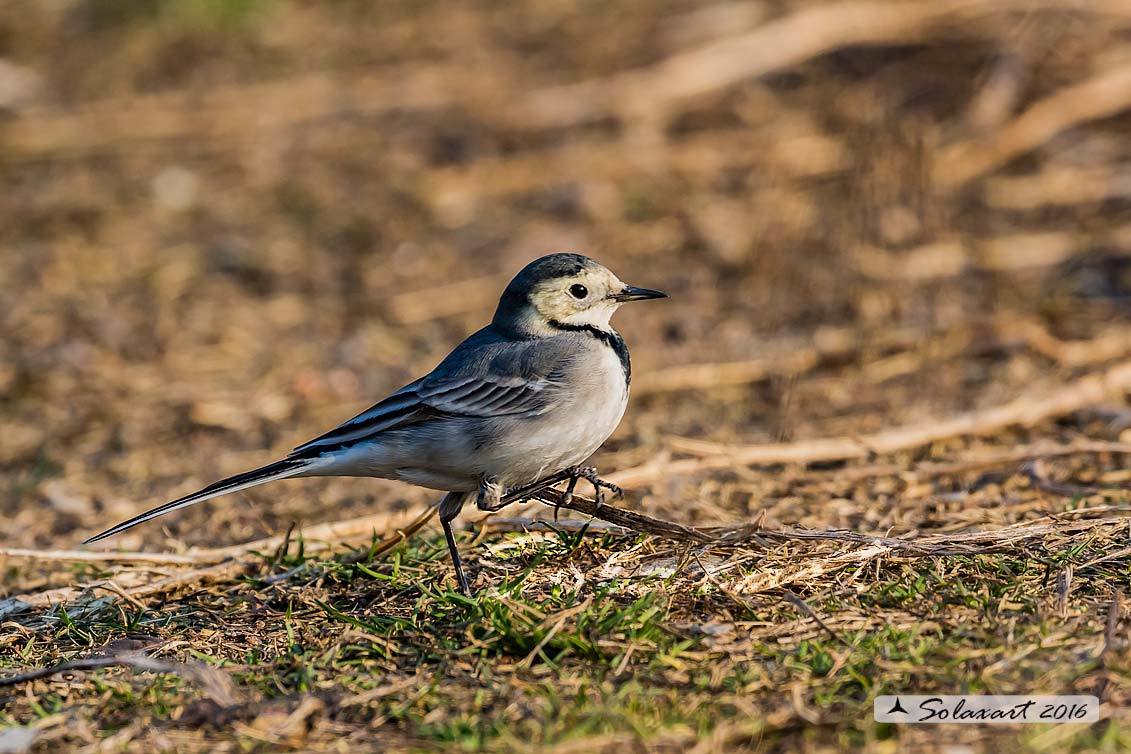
278 470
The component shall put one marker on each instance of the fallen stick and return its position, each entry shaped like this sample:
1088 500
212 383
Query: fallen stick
1057 186
789 359
986 460
948 544
1111 343
316 538
774 46
215 684
86 556
637 522
224 563
516 524
1105 94
737 534
397 526
196 577
84 663
1024 411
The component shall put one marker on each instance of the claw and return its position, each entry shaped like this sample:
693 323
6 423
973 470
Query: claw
589 473
570 475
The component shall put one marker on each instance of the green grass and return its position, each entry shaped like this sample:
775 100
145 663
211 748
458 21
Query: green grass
541 659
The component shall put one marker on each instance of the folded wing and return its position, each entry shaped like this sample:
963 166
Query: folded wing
506 378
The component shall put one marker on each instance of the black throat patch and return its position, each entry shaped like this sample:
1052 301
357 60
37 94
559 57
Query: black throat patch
612 339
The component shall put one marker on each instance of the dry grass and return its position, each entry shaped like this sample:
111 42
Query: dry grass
880 432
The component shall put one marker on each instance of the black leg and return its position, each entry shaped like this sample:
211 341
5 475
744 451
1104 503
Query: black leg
567 498
456 562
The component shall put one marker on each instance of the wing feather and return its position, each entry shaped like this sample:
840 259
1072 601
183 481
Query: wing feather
401 408
488 379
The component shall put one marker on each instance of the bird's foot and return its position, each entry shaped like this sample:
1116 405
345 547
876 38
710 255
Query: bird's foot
491 496
589 474
571 475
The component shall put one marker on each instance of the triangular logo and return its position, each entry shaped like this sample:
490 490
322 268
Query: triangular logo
897 707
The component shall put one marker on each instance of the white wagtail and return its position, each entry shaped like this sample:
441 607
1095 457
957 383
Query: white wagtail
514 408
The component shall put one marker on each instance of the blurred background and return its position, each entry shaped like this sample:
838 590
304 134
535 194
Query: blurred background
227 225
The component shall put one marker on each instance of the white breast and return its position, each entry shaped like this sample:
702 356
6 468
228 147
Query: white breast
597 409
574 429
605 395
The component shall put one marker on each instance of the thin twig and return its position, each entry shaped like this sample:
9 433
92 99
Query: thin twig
87 556
1025 411
794 599
126 652
773 46
1102 95
968 543
1114 611
227 562
1038 450
518 524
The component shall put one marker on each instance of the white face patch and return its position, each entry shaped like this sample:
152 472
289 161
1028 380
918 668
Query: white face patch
597 315
581 299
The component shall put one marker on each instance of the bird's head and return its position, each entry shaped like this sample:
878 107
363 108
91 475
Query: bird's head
564 290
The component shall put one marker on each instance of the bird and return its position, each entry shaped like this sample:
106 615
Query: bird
514 408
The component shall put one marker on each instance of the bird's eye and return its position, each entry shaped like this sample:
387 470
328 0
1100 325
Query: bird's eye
578 291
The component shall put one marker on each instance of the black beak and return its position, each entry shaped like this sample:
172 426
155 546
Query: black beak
632 293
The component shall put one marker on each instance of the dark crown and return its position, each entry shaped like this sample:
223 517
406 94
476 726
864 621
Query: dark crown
549 267
552 266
